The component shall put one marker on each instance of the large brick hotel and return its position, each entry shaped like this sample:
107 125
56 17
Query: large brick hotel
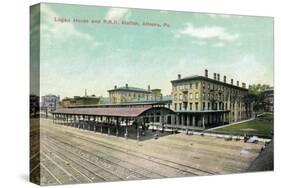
201 101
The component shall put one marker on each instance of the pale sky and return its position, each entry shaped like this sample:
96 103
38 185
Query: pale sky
75 56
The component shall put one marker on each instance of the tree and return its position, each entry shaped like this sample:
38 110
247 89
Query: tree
256 95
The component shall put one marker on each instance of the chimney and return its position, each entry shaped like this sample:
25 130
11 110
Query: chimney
238 83
179 76
115 87
243 85
126 85
218 77
231 81
215 76
148 87
206 73
224 79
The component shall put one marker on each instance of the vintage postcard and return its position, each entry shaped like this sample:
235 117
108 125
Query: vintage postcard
121 94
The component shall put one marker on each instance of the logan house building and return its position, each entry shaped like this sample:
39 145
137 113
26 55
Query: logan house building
203 102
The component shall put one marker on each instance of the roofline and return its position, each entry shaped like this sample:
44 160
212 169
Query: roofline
206 79
120 115
152 108
122 104
202 111
87 97
127 89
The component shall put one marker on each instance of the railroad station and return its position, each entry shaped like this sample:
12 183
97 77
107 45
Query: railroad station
115 119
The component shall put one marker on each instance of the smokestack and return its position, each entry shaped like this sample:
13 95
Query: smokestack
115 87
206 73
179 76
148 87
218 77
127 86
224 79
238 83
215 76
231 81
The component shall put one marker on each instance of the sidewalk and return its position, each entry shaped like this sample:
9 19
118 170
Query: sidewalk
243 121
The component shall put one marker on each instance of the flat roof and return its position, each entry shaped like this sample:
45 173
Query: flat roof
196 77
162 102
134 89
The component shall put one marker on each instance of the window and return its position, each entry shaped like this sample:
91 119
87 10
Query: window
208 106
185 105
196 95
175 97
190 95
203 105
203 85
175 106
190 86
196 85
180 105
190 106
180 96
204 96
196 106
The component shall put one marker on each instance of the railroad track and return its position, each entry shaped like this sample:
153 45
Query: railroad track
81 173
97 173
107 167
136 170
165 169
55 170
47 177
186 169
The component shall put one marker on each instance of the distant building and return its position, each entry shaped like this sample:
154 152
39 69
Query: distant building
204 102
83 100
51 102
269 100
132 94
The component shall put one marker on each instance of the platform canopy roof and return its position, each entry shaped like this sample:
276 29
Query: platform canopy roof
105 111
